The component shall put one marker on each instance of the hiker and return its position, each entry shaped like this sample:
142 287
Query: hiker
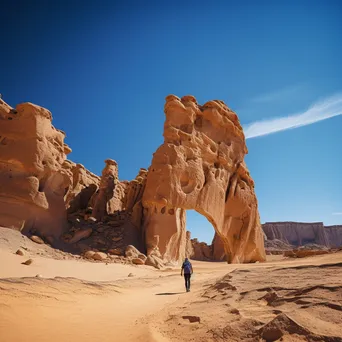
187 268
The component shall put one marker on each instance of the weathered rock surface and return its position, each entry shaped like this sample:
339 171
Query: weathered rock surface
201 166
201 251
32 180
108 182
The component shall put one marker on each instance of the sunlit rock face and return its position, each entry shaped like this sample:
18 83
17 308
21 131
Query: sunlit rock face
201 166
33 181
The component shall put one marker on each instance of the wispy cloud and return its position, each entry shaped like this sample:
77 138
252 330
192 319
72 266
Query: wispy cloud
337 213
325 109
281 94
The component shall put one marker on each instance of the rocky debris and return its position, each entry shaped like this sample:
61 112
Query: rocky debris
277 245
39 276
130 275
302 253
204 146
20 252
27 262
37 239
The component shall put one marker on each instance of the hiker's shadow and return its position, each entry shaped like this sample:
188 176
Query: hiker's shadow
168 293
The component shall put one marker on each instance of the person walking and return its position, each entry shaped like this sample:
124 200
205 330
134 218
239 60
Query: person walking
187 269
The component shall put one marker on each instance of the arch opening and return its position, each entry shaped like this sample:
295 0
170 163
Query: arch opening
206 244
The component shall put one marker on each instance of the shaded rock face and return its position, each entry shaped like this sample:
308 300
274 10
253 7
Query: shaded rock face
201 251
299 234
204 252
32 180
201 166
334 234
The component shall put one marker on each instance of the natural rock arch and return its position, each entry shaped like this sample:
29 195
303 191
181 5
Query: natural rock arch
201 166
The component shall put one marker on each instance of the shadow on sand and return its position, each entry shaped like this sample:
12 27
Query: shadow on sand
168 293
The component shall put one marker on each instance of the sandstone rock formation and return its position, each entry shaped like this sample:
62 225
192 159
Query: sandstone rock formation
203 251
32 180
108 182
201 166
299 233
82 189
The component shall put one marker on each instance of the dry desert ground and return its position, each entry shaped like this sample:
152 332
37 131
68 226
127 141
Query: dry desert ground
63 298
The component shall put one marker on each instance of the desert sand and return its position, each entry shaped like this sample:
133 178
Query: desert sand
77 300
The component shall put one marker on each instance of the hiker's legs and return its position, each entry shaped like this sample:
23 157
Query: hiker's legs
187 281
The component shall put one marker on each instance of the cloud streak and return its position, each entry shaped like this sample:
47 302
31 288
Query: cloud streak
337 213
322 110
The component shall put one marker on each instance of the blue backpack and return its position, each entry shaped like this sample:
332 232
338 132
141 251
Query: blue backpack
187 267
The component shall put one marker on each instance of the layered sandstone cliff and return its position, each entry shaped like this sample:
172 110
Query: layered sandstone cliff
299 233
334 235
201 166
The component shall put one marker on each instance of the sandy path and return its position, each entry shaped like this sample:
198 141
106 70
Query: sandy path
70 310
127 309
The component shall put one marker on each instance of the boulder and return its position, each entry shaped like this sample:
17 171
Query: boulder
138 261
27 262
154 261
81 234
89 254
20 252
37 239
115 251
131 252
100 256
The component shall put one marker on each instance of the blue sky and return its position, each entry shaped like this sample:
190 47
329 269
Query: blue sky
104 69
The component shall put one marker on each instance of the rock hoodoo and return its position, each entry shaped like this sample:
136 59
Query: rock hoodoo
199 166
